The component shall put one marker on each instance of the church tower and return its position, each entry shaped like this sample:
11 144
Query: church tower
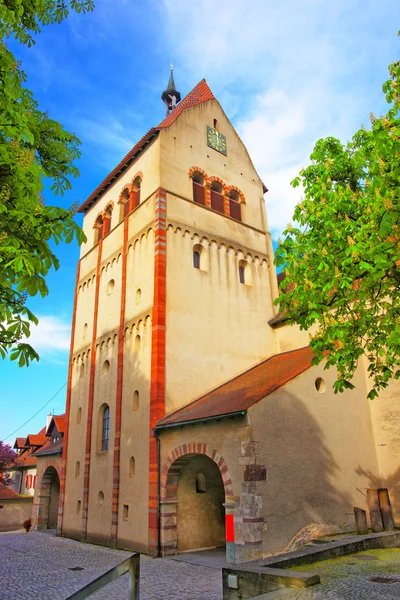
174 291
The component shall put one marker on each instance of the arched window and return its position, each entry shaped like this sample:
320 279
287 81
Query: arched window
198 188
201 484
107 221
105 427
217 199
196 259
200 257
136 192
98 229
234 205
125 208
245 272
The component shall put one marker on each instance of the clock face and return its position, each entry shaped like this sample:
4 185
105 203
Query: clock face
216 140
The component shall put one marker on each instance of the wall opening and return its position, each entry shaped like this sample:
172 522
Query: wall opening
200 514
48 499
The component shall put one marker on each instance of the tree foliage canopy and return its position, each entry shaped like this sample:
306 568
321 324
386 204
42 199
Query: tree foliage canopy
33 147
342 259
7 457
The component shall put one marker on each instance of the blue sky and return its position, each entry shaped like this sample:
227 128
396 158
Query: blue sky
286 73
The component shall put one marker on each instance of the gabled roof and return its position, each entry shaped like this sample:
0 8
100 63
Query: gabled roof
239 394
201 93
36 439
57 421
50 448
6 493
120 168
20 443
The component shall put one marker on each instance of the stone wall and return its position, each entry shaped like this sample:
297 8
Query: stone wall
13 512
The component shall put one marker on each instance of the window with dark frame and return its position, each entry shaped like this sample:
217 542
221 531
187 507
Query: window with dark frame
196 259
105 431
217 199
99 230
241 273
234 206
136 192
198 188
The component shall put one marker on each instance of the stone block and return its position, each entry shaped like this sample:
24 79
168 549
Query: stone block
361 521
245 433
250 448
374 510
386 509
255 473
249 487
247 460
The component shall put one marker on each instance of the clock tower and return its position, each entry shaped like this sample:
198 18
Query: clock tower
175 288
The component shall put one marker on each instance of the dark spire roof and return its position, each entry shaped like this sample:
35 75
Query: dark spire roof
171 96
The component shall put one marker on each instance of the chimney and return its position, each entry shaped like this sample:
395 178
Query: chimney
48 421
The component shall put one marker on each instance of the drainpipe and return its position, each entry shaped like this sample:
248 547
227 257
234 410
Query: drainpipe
158 441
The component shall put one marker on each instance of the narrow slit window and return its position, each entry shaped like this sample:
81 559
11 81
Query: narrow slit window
105 431
196 259
241 274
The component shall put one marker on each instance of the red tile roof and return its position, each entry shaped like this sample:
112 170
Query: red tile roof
125 162
6 493
25 460
200 93
59 422
20 443
240 393
37 439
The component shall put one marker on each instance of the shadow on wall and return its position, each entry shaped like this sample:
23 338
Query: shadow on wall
301 500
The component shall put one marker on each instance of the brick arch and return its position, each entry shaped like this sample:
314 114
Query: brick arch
109 204
127 186
138 175
194 170
242 199
180 456
215 178
170 473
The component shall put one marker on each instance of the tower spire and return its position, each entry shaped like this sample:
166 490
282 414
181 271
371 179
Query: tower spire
170 96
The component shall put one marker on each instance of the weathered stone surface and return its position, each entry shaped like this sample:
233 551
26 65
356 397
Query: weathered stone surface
255 473
360 516
250 448
386 509
374 510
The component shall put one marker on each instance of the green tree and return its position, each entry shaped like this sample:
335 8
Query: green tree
33 147
342 259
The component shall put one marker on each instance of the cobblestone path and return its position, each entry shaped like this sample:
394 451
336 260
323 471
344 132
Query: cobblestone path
35 566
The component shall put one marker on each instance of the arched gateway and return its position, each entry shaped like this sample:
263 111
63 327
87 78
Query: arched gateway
47 499
196 487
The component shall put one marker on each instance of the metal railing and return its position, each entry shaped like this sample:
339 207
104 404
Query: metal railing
131 565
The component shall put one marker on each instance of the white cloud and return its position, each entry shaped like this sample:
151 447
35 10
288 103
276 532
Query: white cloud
287 74
51 338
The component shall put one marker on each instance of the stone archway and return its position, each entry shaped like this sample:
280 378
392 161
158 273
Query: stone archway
47 502
178 474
